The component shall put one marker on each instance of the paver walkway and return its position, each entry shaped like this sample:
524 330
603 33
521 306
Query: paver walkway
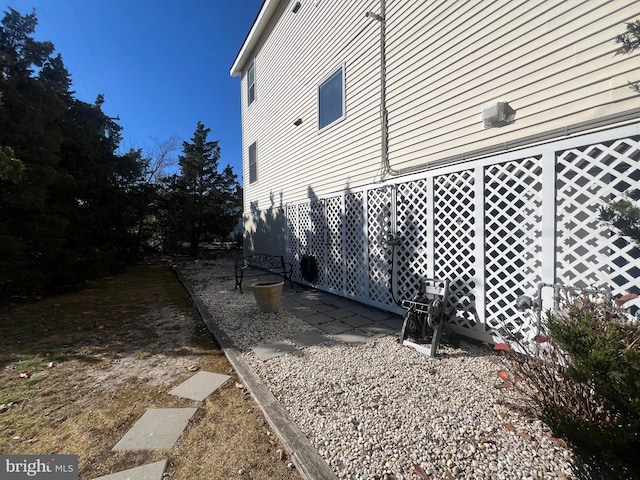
344 320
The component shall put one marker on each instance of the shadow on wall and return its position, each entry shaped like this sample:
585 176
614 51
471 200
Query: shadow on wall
264 229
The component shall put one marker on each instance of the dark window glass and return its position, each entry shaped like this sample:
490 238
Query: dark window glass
253 166
251 84
331 99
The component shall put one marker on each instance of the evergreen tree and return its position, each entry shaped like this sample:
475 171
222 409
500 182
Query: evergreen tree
204 204
64 211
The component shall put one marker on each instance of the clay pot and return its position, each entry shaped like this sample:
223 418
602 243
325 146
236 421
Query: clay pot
268 295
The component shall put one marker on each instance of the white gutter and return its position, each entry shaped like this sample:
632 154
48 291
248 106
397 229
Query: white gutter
267 11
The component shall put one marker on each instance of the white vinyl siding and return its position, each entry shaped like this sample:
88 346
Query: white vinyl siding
296 162
553 61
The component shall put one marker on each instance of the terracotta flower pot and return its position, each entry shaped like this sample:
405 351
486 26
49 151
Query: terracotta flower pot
268 295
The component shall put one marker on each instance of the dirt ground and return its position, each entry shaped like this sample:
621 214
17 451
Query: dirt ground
78 370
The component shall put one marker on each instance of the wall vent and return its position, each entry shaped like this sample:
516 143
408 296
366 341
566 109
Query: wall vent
498 114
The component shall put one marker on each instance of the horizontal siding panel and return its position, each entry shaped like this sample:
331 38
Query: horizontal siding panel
436 106
421 152
287 77
441 121
552 60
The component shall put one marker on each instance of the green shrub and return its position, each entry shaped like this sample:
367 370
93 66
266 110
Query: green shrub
584 382
603 352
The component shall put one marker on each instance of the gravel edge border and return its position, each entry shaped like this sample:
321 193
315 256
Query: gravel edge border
305 457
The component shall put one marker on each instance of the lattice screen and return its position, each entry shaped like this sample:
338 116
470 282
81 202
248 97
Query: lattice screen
513 232
454 241
355 245
294 238
335 270
304 233
588 253
412 222
379 224
437 219
317 239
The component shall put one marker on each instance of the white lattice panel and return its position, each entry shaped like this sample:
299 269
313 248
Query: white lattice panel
493 241
588 253
412 254
513 222
335 265
304 231
317 240
355 245
378 225
293 239
454 241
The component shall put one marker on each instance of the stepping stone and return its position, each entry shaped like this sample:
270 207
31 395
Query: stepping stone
335 327
157 428
376 315
378 330
200 386
342 303
339 313
322 307
267 351
357 321
394 323
152 471
354 336
302 312
307 339
317 319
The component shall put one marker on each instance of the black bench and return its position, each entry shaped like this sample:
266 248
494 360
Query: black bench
269 264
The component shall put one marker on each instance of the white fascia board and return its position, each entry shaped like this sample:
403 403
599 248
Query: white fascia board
267 11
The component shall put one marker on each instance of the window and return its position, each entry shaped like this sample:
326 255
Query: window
331 99
253 166
251 83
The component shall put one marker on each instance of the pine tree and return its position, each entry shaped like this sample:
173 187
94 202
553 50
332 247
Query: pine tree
207 200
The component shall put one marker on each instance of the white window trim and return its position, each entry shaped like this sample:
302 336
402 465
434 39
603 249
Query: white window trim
344 97
252 65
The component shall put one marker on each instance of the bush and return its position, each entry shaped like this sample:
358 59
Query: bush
584 381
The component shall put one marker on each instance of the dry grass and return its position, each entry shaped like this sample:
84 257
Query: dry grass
100 357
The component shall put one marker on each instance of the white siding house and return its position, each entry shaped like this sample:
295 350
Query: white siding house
364 120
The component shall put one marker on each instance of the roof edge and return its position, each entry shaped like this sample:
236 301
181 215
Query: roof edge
266 13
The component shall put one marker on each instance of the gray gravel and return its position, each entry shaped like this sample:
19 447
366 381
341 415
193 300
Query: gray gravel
375 410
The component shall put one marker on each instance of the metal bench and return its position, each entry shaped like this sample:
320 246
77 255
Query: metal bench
268 264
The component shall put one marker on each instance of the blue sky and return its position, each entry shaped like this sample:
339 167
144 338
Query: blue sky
163 65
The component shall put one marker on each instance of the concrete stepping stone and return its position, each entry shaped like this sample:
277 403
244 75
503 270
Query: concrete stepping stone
317 319
157 428
308 339
267 351
335 327
354 336
377 330
151 471
339 313
200 386
357 321
394 323
377 315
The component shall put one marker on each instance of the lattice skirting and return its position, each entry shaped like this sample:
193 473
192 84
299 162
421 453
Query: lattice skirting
494 227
